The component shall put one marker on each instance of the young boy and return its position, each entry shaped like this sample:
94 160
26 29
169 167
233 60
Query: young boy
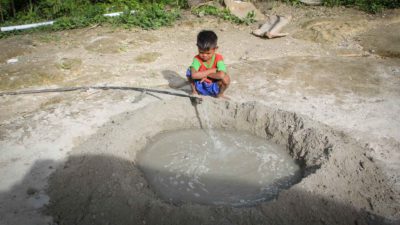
207 74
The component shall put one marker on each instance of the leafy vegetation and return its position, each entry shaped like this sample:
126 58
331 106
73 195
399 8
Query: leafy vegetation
224 14
372 6
150 16
70 14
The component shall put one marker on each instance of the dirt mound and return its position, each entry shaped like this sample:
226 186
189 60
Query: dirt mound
101 184
384 40
331 30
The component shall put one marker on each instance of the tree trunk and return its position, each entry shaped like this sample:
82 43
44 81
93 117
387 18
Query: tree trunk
14 13
1 13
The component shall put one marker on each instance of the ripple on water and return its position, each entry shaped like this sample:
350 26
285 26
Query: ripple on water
230 168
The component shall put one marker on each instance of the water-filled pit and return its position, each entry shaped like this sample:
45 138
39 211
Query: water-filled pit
216 167
103 182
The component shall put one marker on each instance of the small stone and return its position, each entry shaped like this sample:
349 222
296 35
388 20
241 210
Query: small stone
31 191
12 61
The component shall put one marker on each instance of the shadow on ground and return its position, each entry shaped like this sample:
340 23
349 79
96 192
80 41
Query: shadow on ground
174 79
101 189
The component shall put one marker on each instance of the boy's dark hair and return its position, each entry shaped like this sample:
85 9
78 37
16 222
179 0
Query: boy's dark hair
207 40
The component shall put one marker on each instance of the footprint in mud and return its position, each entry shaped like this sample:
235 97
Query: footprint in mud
148 57
105 44
69 63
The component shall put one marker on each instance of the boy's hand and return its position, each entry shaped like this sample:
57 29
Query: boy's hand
205 79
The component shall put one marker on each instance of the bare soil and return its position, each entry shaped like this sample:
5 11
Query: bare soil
73 153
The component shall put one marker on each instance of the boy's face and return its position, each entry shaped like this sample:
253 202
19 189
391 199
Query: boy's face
206 54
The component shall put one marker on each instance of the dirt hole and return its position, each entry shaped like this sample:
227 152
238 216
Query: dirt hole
216 167
101 182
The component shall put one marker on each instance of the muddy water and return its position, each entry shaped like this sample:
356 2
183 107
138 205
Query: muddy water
233 168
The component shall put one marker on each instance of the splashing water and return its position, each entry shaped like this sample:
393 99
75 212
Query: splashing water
235 168
209 128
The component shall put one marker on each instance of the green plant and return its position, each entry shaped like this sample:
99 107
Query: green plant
224 14
148 16
372 6
70 14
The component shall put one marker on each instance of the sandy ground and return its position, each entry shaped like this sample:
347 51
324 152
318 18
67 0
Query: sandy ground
338 67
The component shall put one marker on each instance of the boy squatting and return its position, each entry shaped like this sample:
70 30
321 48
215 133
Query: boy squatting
207 74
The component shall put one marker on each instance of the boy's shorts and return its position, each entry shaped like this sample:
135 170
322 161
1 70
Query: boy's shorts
204 88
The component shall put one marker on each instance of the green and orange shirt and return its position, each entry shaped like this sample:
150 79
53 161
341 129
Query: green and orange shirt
217 62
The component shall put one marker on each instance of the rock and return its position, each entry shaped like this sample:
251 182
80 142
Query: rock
273 26
241 9
12 61
31 191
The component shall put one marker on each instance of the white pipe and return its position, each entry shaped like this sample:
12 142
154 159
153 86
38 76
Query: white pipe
33 25
26 26
116 14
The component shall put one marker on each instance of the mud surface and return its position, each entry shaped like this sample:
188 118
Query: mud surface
102 174
385 45
329 92
248 169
